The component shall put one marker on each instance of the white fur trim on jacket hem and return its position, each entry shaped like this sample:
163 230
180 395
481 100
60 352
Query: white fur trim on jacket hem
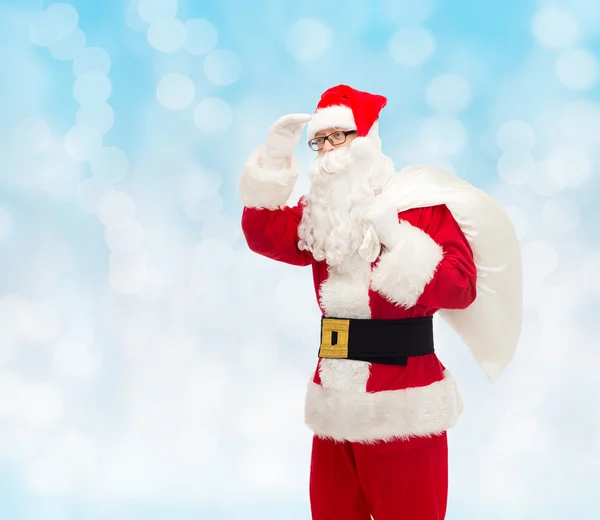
265 188
347 415
338 116
405 269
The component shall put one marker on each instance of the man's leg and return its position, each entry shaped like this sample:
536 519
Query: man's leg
335 492
405 479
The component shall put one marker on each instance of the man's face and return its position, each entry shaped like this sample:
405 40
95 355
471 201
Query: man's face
340 137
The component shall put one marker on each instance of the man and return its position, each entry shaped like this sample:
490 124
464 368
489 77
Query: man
388 251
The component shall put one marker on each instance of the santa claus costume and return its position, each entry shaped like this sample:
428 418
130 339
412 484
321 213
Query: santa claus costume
388 251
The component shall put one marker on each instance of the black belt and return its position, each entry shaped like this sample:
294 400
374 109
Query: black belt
390 342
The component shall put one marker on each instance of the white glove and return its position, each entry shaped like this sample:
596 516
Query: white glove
282 139
382 214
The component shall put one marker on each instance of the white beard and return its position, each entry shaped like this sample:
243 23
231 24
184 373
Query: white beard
343 184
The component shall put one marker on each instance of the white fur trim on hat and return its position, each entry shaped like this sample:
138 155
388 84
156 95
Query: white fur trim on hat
338 116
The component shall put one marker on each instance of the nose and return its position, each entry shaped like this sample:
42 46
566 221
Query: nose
327 146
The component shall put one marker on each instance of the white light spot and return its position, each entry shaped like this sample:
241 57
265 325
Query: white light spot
166 35
128 272
308 39
577 69
587 13
443 136
98 117
91 59
520 220
6 224
408 11
222 67
124 238
53 24
42 321
68 461
41 404
52 264
561 215
12 388
91 87
571 165
80 328
222 226
58 175
590 273
115 208
8 347
213 115
15 314
540 259
199 184
90 192
201 210
201 36
81 143
67 48
176 62
515 136
555 28
33 135
412 47
545 182
175 91
579 121
110 164
516 168
133 19
448 93
152 11
76 360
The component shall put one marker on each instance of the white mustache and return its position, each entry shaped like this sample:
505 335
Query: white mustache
335 161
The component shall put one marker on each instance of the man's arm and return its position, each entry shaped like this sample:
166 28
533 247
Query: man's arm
428 263
270 227
269 177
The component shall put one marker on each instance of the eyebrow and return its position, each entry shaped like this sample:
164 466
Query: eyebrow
323 133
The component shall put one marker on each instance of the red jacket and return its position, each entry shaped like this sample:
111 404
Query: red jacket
430 268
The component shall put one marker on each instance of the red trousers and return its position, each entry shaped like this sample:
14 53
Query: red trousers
398 480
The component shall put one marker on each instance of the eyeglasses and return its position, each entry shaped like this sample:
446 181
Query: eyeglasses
336 138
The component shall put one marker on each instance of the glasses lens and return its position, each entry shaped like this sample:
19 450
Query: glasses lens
338 137
316 144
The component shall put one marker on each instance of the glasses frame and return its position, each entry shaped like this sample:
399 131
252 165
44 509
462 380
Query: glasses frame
327 137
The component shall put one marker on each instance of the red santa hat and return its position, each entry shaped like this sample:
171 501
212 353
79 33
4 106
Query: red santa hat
348 108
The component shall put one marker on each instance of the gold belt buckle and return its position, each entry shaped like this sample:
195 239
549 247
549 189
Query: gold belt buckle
341 328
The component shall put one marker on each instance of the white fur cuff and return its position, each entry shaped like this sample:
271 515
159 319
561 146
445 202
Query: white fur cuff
408 266
345 415
261 187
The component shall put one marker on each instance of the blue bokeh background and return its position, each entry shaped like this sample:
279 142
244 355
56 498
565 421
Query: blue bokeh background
151 367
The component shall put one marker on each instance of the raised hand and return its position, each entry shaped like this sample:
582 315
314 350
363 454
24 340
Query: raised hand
283 138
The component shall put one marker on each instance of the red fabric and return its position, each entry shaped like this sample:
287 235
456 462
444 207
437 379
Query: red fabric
391 481
273 233
365 107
